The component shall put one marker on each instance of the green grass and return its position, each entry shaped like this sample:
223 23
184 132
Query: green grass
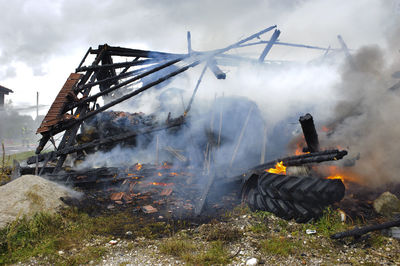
221 232
8 159
279 245
45 234
177 247
328 224
215 253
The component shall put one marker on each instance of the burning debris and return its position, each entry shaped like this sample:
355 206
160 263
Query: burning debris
206 165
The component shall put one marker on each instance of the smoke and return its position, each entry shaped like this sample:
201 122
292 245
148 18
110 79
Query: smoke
365 119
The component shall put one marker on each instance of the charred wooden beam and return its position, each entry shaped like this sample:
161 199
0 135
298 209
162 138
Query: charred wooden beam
121 51
118 65
114 139
195 91
346 51
358 232
314 157
70 134
126 82
189 42
310 134
267 48
202 200
84 57
218 73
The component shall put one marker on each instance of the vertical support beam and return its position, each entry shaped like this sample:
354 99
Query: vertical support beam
267 48
189 42
69 135
310 134
346 51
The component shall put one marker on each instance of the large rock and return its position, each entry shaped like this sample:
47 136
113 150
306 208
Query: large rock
387 204
28 195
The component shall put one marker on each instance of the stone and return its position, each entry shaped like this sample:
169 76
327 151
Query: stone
387 204
251 262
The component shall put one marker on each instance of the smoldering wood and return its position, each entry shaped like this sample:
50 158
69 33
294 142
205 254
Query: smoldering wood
189 42
84 57
127 82
310 134
69 136
106 76
218 73
267 48
118 65
346 51
122 51
298 160
195 90
98 142
239 141
202 200
291 45
358 232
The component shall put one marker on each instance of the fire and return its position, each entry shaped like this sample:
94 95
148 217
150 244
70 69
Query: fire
161 184
173 174
325 129
335 172
159 174
138 166
279 169
336 177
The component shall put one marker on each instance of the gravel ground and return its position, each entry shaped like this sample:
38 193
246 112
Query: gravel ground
313 249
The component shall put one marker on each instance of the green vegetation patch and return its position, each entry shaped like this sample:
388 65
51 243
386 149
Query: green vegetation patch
221 232
215 253
280 245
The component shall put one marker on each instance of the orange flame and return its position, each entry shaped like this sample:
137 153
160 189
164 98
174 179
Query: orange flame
173 174
325 129
138 166
279 169
346 175
159 174
336 177
161 184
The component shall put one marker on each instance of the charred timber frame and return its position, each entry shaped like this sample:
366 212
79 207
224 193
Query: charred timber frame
102 72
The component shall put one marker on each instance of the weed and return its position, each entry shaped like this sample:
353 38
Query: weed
29 237
259 228
329 223
177 247
263 214
215 255
221 232
280 246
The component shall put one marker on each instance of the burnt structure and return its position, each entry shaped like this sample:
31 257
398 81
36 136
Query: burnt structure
117 74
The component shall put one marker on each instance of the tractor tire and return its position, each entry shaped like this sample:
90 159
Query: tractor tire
300 189
302 212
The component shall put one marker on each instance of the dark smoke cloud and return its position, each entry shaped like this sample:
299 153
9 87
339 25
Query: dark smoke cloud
366 119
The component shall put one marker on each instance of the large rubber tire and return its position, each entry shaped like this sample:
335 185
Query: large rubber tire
301 189
302 212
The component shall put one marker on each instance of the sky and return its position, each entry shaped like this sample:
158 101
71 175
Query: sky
42 42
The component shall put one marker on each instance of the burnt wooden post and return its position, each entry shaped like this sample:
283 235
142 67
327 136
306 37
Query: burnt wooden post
310 134
69 136
267 48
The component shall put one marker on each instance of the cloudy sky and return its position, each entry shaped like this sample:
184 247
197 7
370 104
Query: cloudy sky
41 42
